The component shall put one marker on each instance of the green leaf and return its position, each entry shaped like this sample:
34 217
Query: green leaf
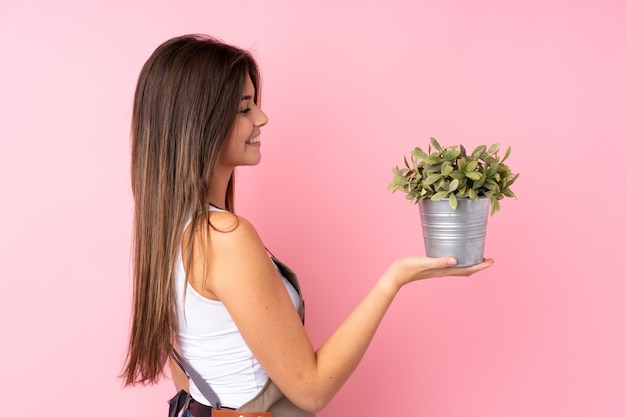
493 169
453 202
435 144
471 166
419 153
432 179
507 192
433 160
491 160
474 175
462 164
495 206
439 196
472 194
447 170
454 185
433 169
457 175
480 182
506 155
479 151
493 149
451 155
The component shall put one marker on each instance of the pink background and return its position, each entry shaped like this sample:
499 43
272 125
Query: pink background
350 87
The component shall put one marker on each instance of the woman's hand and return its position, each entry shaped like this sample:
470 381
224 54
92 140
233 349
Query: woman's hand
414 268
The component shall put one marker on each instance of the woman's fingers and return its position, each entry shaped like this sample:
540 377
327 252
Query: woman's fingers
420 267
469 270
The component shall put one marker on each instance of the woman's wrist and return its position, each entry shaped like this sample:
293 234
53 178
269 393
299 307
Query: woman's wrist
390 281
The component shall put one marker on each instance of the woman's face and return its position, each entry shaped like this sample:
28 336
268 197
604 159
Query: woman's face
243 144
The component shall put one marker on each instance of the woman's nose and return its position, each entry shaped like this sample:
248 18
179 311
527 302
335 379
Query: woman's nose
260 118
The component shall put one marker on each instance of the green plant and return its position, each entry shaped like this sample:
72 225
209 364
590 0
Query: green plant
452 173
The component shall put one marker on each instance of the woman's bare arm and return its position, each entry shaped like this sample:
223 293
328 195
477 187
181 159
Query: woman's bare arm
242 276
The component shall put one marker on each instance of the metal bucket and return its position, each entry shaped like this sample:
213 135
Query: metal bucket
459 233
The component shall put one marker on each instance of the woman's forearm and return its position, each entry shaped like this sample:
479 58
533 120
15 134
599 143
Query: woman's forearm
339 356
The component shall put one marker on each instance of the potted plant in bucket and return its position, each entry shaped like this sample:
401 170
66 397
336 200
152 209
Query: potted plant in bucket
454 190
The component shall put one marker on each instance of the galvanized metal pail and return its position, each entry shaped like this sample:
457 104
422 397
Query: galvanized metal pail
459 233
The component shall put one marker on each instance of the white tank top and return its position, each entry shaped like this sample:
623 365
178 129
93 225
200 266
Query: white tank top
209 339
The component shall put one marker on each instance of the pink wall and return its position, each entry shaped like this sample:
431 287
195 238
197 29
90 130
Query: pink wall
350 86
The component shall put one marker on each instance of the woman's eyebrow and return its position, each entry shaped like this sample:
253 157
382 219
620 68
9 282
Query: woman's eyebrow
247 98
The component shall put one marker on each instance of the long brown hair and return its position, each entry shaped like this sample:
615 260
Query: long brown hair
186 100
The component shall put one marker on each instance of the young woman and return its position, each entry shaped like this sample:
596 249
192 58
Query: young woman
204 283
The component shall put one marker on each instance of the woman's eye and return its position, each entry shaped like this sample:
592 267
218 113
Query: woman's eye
246 110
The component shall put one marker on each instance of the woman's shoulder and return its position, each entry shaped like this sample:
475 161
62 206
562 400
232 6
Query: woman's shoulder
225 221
226 228
225 245
220 226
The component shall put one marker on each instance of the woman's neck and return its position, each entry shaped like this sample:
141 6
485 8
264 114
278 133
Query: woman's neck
218 187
